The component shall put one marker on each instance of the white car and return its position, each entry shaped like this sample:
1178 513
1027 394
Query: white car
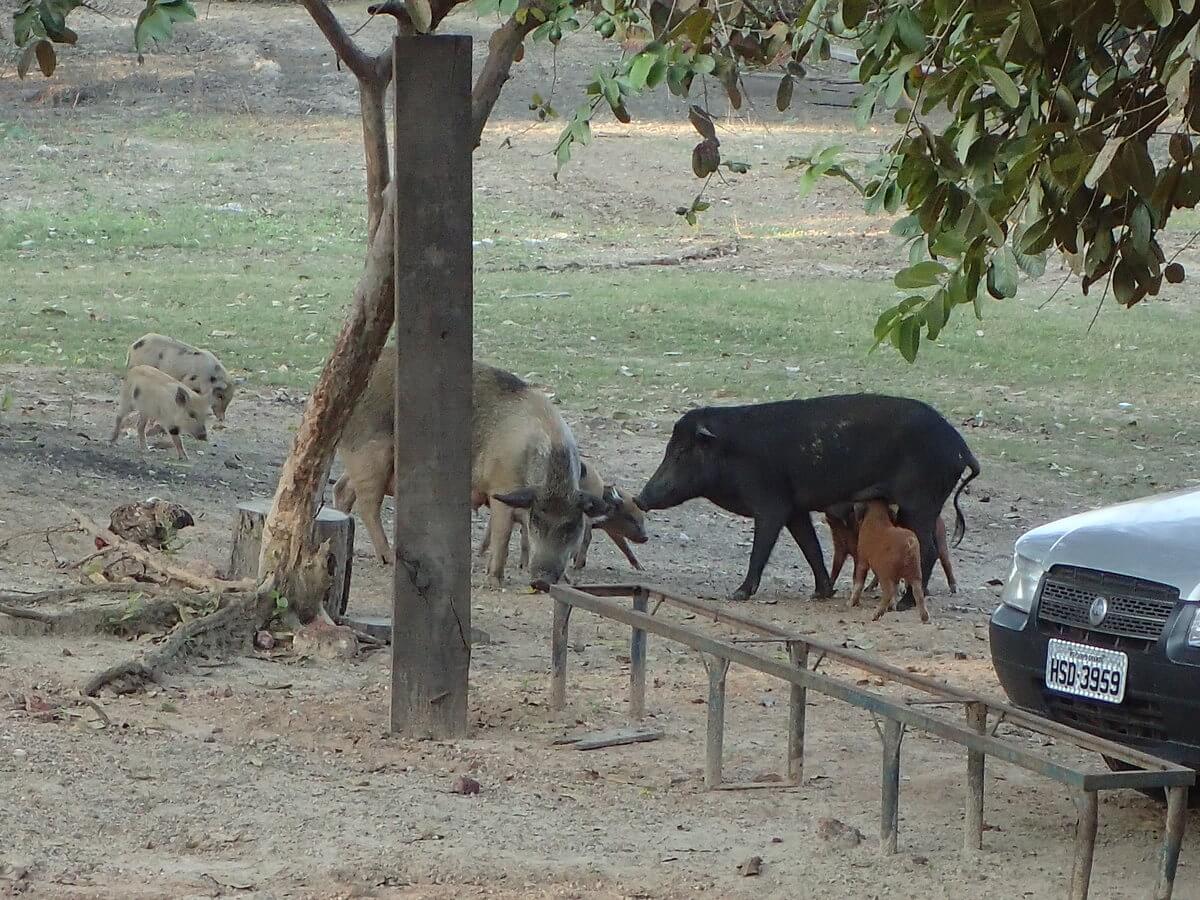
1098 628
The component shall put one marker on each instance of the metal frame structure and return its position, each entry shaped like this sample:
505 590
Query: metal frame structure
974 734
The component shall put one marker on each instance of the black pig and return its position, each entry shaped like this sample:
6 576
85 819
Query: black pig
777 462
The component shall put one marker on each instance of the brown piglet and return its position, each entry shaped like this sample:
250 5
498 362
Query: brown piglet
843 531
891 552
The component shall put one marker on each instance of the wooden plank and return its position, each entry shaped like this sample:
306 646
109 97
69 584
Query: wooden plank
637 661
973 819
797 710
1085 845
889 806
1172 841
431 654
616 737
559 634
718 668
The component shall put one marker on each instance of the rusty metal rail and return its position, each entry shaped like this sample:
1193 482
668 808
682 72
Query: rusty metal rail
974 735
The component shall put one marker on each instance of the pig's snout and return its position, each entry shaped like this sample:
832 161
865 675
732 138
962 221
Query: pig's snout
541 585
202 434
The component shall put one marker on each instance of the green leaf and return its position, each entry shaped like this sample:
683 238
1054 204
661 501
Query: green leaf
1124 284
935 314
1005 86
1002 274
27 23
1030 29
783 96
910 339
1162 12
25 61
658 71
966 138
704 64
1103 160
1037 237
507 8
156 21
639 72
1140 228
1004 45
907 227
853 12
923 274
909 30
45 57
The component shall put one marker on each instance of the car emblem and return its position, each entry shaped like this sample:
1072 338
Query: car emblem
1098 611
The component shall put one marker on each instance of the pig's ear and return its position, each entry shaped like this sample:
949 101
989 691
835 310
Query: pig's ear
181 395
592 506
704 432
611 495
521 498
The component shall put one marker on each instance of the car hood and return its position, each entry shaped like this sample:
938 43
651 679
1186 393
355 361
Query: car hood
1155 538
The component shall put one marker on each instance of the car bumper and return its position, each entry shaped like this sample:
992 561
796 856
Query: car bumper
1159 715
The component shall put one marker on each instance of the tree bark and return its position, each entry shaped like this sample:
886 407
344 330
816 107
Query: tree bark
288 532
372 93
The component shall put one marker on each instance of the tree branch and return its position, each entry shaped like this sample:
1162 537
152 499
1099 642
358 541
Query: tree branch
502 50
357 61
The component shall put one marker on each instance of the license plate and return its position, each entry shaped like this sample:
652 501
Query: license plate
1084 671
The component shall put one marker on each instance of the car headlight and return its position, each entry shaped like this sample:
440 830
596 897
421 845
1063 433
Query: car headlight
1022 584
1193 635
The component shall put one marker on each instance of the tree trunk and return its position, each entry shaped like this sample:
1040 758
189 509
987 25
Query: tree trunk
371 96
288 544
330 525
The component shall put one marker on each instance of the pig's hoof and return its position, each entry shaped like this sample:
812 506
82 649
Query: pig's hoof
876 617
823 594
954 588
495 583
925 619
741 595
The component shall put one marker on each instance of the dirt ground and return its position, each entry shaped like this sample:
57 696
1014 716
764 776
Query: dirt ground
275 776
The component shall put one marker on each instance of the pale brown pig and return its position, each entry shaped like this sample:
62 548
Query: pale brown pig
197 369
156 395
523 457
891 552
621 520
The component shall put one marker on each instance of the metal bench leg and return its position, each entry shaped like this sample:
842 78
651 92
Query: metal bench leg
558 654
1176 822
717 668
637 661
1085 845
889 812
973 820
798 654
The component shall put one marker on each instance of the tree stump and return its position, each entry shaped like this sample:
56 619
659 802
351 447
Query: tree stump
333 526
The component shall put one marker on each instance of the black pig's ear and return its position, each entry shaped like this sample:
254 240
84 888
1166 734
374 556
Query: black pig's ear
704 432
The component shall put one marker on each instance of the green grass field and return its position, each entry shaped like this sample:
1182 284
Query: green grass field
101 263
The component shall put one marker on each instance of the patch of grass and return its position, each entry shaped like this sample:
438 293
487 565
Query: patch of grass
266 288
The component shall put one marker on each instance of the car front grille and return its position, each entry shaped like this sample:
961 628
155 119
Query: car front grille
1141 719
1137 609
